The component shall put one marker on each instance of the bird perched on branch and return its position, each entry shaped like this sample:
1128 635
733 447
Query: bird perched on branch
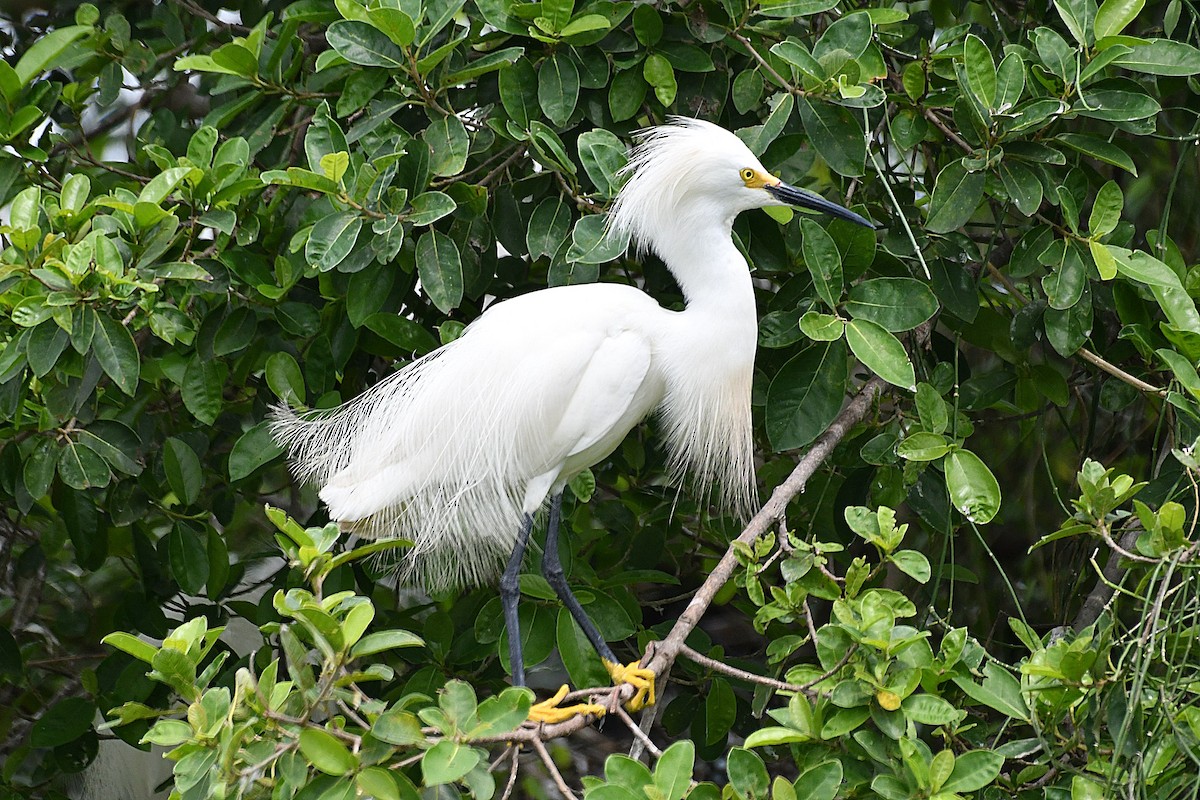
460 450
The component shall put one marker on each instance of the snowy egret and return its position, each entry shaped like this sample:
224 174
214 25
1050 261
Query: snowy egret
459 450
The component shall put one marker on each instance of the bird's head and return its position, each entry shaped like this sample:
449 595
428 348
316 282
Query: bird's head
691 170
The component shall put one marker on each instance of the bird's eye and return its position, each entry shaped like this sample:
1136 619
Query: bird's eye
747 175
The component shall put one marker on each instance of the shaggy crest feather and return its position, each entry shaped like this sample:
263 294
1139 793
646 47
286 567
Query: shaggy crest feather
668 164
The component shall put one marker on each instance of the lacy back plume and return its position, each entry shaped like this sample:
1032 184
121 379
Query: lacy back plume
415 457
710 434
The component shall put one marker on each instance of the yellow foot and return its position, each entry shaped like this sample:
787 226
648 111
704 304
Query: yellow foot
548 711
640 678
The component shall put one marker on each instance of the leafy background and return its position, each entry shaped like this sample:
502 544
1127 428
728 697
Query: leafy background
211 208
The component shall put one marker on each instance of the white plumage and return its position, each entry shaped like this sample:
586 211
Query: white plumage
456 450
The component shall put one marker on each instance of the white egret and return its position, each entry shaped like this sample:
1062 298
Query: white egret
459 450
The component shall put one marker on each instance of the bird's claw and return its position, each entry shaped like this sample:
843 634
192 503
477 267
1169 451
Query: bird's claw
641 678
548 711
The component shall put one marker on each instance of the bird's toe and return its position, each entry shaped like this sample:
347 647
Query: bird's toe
549 712
640 678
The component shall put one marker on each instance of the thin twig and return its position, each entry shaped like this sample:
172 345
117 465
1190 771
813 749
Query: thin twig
741 674
555 775
638 733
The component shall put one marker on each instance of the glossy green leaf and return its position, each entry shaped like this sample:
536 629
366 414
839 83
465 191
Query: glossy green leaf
549 226
973 770
836 135
518 91
325 752
429 207
448 140
117 353
1114 15
923 446
362 44
253 449
1162 57
895 304
603 156
187 555
184 473
448 761
820 782
973 488
822 327
43 53
880 352
673 770
441 271
747 773
981 70
824 262
956 195
558 88
203 388
332 239
806 395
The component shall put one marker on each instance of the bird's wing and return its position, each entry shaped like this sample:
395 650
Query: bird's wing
609 397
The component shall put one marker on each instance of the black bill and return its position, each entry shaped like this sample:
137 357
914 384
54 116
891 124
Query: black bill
799 197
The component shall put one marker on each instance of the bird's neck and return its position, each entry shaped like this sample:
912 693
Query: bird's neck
710 270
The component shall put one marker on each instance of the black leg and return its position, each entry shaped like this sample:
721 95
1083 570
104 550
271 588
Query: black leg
552 569
510 591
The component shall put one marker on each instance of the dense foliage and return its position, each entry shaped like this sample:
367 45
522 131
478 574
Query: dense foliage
987 589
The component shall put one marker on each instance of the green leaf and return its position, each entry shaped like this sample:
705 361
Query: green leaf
80 467
836 136
824 261
720 711
981 70
385 640
1068 329
673 771
549 226
895 304
401 331
518 91
1022 186
117 353
880 352
448 140
821 327
398 727
1099 149
429 207
332 239
1106 210
1162 57
1144 268
1106 265
973 770
128 643
1000 690
447 761
558 88
326 752
820 782
63 722
806 395
440 269
161 185
578 656
203 386
956 195
397 25
1184 370
42 54
929 709
912 563
659 73
973 488
1010 82
284 377
923 446
362 44
626 94
1078 16
1114 15
747 773
591 242
253 449
1068 275
182 467
603 156
187 555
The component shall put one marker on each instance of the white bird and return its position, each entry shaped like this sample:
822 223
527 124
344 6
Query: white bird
459 450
